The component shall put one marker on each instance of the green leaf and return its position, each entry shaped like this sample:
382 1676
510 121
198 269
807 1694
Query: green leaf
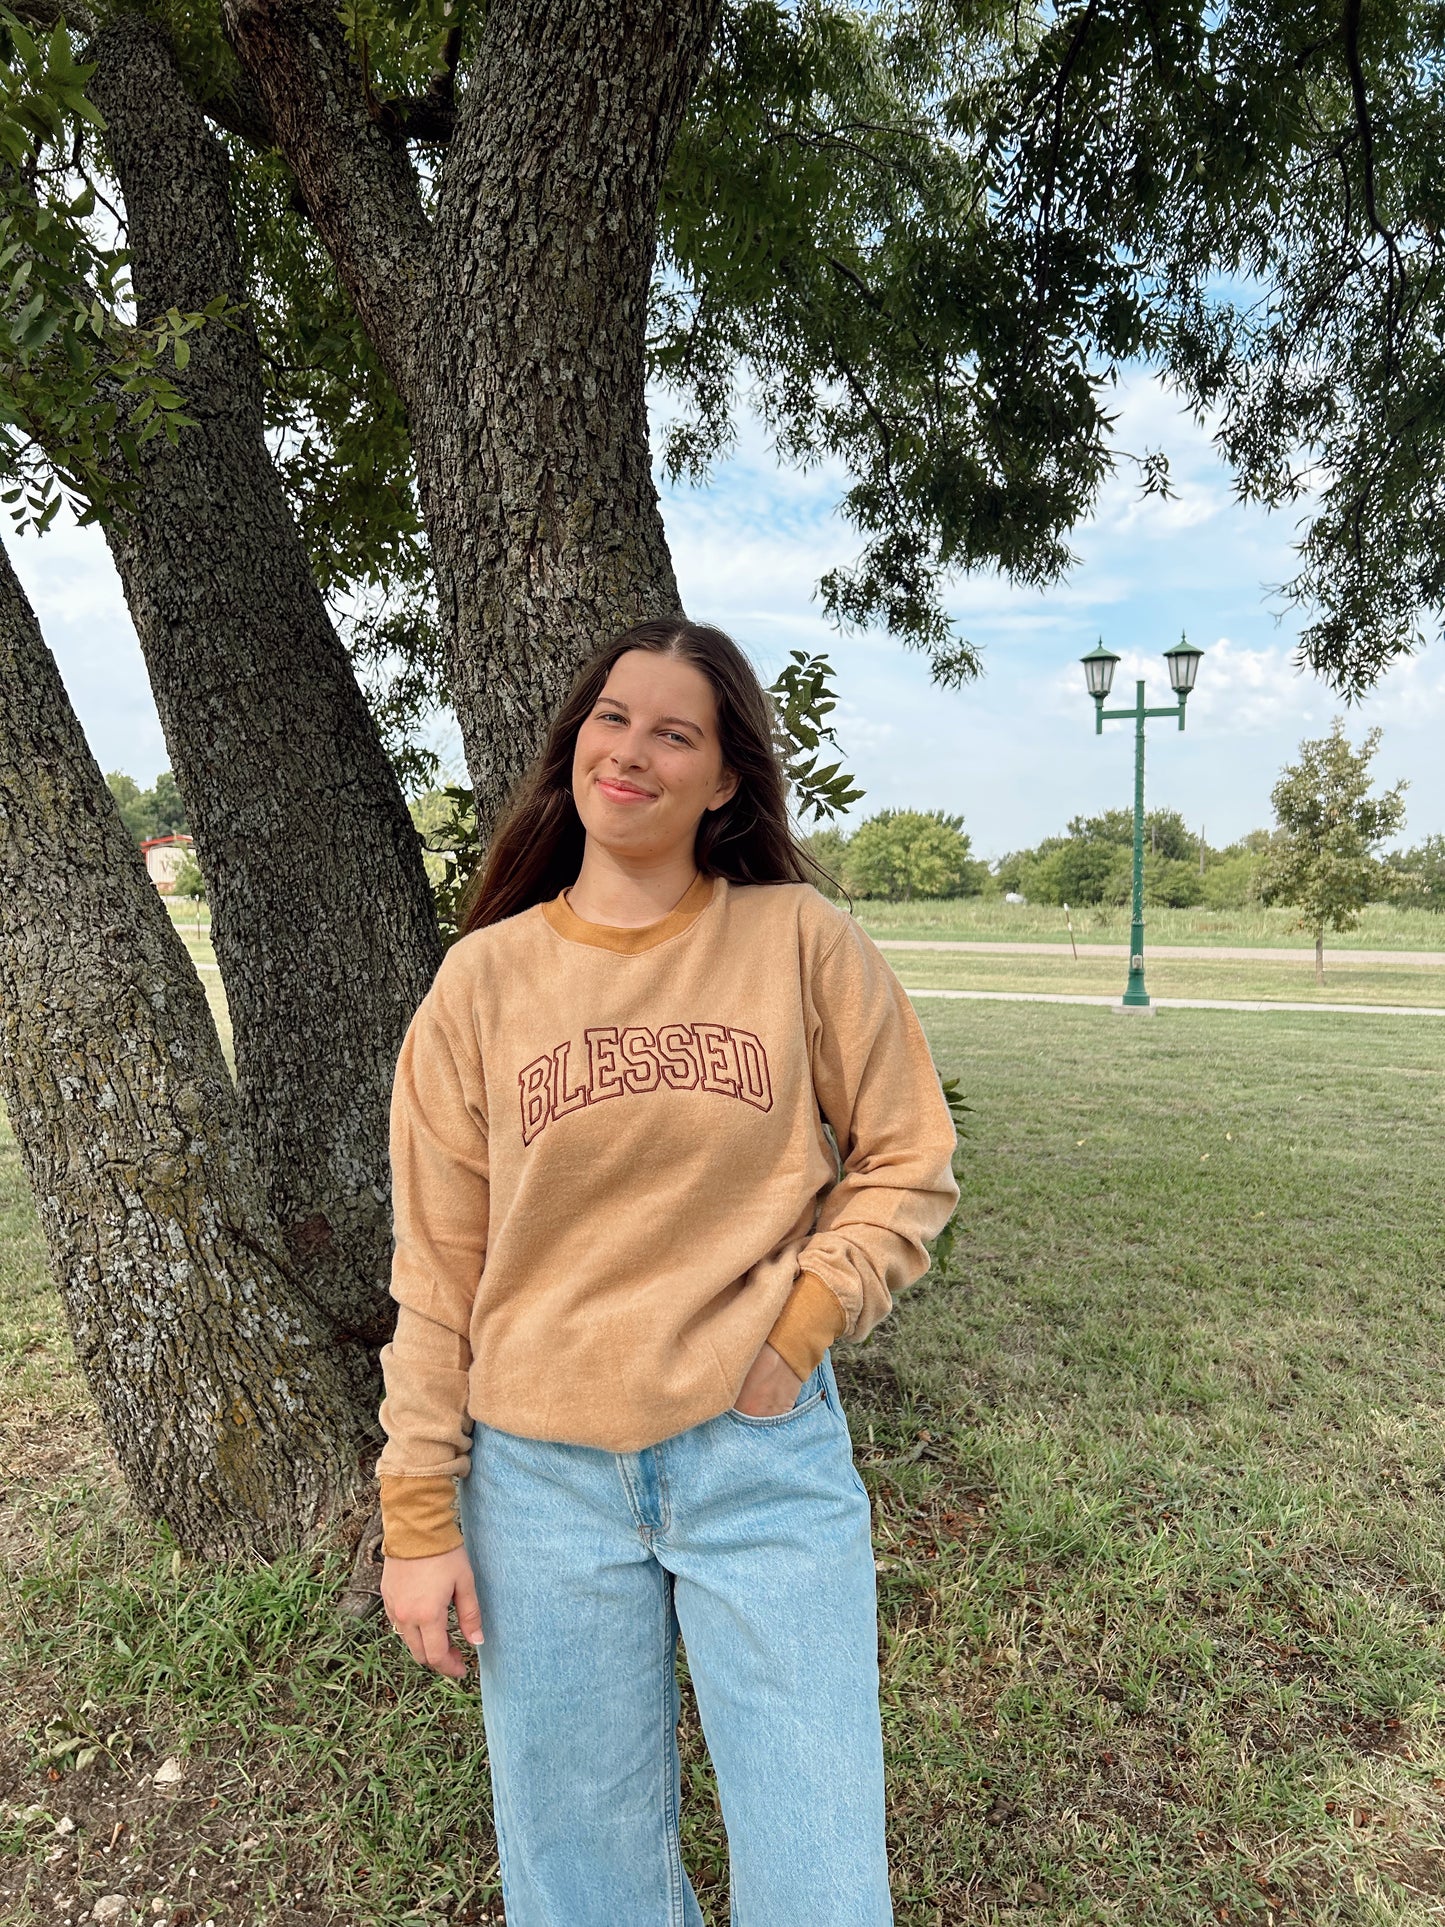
85 108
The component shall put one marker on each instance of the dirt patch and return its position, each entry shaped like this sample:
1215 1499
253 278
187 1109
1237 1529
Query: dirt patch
171 1841
171 1854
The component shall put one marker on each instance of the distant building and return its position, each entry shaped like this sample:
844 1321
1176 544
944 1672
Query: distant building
164 857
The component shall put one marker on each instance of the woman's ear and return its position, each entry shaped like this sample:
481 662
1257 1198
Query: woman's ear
727 787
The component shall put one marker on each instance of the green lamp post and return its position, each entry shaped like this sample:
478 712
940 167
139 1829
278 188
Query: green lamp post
1099 666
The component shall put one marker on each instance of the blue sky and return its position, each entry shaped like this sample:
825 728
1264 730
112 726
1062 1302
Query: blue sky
1014 753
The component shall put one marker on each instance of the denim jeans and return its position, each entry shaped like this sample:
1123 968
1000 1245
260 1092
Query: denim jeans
750 1535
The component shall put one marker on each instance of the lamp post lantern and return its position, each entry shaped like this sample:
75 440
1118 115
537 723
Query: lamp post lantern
1099 666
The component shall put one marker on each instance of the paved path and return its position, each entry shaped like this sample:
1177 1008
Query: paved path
1180 1003
1197 953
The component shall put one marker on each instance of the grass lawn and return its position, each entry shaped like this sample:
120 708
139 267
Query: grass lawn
989 919
1104 977
1157 1480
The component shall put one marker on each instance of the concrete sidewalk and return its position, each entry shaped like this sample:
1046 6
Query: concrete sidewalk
1180 1003
1192 953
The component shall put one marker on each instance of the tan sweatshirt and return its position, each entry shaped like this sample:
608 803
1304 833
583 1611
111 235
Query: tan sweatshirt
611 1181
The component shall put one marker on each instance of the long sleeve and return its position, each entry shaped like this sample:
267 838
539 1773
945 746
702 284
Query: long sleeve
440 1207
877 1087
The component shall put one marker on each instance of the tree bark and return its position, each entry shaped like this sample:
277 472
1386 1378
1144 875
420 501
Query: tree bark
547 229
1319 956
237 1415
524 377
322 920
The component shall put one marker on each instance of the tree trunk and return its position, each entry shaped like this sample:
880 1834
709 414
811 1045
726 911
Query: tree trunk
321 916
1319 957
236 1414
533 454
515 329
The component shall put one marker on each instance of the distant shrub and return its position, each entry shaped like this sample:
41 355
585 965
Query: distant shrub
1233 882
902 854
1173 882
828 848
1421 875
1094 864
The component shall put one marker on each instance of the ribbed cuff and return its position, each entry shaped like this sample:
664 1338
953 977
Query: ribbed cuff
418 1517
807 1324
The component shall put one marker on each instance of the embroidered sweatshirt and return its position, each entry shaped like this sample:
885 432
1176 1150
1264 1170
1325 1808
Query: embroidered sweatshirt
612 1182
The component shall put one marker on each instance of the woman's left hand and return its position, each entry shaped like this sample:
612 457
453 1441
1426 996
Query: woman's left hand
771 1386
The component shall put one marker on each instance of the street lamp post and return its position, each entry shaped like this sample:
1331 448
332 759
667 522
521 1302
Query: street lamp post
1099 666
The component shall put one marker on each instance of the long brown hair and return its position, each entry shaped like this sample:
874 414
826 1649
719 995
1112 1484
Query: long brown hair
536 849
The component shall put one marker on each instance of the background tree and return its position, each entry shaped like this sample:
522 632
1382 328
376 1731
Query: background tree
1324 860
1093 863
1421 874
271 741
828 847
1233 876
133 803
189 883
158 811
902 854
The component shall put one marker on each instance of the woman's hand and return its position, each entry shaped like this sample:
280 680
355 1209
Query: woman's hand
771 1386
417 1593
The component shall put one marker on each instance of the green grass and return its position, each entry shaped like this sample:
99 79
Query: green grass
1157 1483
990 919
1189 1381
1104 977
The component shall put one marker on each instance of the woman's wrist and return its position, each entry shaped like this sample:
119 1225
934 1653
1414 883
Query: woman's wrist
807 1325
419 1516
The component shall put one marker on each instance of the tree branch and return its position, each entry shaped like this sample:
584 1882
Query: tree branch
1060 89
353 171
50 13
1396 279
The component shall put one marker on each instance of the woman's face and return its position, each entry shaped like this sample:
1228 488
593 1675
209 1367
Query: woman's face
648 763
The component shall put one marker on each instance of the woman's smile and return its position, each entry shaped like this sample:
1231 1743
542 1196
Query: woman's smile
621 791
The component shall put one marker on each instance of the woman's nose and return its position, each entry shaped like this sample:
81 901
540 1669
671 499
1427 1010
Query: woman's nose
631 752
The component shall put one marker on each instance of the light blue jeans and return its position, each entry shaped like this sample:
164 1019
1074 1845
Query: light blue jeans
750 1535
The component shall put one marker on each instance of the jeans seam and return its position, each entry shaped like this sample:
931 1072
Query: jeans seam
835 1404
503 1857
664 1493
629 1493
670 1817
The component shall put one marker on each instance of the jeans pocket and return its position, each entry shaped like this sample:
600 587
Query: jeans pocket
811 1393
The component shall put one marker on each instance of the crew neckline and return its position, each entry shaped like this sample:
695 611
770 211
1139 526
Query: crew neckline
612 936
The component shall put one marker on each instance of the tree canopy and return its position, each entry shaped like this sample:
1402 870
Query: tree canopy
922 239
902 854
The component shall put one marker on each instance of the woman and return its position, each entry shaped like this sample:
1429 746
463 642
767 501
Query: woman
623 1249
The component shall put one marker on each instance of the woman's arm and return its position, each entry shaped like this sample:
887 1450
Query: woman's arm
877 1087
440 1201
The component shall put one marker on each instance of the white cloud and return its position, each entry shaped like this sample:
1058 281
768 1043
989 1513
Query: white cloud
1016 752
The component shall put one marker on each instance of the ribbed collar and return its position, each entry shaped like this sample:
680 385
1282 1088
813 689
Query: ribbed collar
611 936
